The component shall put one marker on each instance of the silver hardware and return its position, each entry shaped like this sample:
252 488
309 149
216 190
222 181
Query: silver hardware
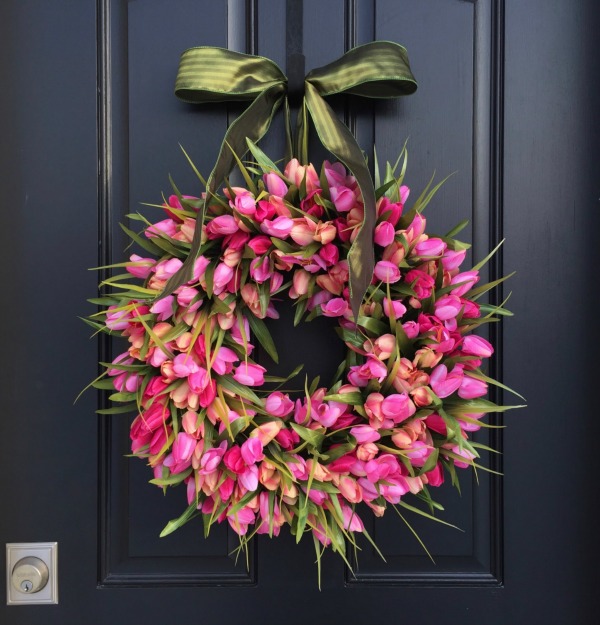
31 573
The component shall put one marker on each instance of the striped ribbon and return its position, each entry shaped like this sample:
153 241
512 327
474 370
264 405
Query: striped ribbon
379 69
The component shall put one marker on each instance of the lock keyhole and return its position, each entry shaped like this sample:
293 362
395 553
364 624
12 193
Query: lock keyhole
30 575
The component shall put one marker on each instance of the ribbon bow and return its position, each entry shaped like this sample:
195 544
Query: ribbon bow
375 70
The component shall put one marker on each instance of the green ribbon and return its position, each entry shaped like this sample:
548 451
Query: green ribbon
375 70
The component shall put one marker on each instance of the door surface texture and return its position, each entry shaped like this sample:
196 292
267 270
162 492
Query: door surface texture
507 102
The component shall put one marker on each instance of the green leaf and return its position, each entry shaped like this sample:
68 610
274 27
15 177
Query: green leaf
354 398
475 405
142 241
265 163
173 479
189 160
261 332
373 325
230 384
484 378
119 409
481 263
312 437
174 524
249 182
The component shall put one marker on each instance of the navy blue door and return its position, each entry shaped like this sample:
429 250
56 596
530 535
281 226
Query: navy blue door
90 128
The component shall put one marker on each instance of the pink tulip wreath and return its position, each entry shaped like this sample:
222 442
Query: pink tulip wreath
406 399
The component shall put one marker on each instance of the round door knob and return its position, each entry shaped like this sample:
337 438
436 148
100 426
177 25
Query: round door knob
30 575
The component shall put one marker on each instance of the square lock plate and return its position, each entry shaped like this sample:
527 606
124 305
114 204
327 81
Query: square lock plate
48 554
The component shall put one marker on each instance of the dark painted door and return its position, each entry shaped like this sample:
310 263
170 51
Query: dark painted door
508 99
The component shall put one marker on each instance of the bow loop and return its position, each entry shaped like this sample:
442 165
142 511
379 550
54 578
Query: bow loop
375 70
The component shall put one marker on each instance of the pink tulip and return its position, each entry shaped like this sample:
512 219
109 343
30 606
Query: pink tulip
259 244
223 361
163 308
240 520
477 346
287 439
249 374
117 319
183 447
297 173
244 202
397 407
212 458
444 383
384 234
140 267
430 247
280 227
393 305
421 282
448 307
260 269
387 272
352 521
466 280
411 329
222 276
167 268
160 228
266 432
303 230
388 211
452 260
365 434
418 453
463 453
184 365
328 413
471 388
350 489
222 225
330 254
278 404
275 185
200 266
435 477
366 452
335 307
233 460
252 451
343 198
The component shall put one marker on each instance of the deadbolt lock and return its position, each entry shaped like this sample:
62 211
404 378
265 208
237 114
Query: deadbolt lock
30 575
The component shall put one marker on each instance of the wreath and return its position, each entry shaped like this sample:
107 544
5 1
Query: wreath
403 404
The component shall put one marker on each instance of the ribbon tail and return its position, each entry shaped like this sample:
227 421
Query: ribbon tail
338 139
245 126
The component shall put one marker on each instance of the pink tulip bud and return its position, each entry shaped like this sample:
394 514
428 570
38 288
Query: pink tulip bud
471 388
275 185
387 272
280 227
249 374
430 247
222 225
384 234
365 434
335 307
448 307
452 260
343 198
266 432
477 346
252 451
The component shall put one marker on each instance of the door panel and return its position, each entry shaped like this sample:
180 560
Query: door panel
90 128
